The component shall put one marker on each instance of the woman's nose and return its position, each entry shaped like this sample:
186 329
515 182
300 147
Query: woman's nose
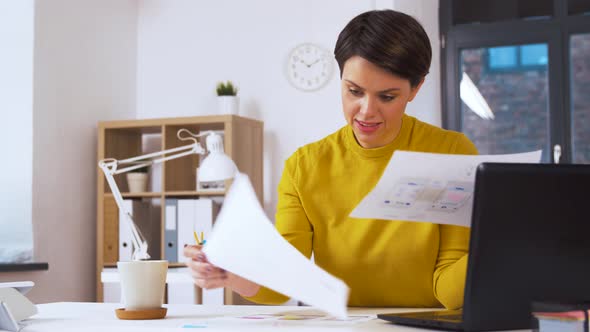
368 106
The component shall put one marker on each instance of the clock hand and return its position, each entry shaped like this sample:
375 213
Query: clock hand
309 64
313 63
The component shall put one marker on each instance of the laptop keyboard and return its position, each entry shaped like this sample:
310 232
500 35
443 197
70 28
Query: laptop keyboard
446 315
451 317
446 319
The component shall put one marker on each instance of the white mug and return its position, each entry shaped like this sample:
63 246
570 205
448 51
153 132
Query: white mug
142 284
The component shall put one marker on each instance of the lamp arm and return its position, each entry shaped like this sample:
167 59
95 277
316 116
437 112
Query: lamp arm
139 161
139 242
109 168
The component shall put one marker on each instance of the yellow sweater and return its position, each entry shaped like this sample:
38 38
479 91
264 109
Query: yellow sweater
384 262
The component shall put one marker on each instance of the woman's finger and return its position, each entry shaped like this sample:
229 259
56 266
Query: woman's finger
205 270
195 253
211 283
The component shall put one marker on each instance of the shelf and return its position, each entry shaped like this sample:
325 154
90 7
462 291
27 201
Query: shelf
187 193
137 195
175 179
170 265
195 193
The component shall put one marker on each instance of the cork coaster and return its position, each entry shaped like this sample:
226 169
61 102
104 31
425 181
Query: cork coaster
141 314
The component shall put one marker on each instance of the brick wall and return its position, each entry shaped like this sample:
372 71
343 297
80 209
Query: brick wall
519 100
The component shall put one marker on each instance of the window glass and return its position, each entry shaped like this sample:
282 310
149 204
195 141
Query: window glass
503 57
533 55
578 7
517 57
16 136
486 11
505 111
580 92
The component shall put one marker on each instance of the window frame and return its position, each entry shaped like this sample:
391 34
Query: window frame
19 267
555 32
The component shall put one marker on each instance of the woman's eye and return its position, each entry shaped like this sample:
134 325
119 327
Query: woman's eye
387 98
355 92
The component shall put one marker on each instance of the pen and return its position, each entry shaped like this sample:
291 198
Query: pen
201 241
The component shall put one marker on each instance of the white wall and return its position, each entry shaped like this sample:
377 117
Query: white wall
185 47
16 136
84 72
119 59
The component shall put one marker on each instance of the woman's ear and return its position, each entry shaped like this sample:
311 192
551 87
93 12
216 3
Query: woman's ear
414 90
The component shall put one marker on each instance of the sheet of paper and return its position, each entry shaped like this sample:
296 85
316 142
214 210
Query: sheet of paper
246 243
262 320
430 187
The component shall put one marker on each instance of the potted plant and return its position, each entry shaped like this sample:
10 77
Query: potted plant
137 180
227 96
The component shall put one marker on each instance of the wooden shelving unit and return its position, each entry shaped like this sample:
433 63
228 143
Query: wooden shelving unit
243 141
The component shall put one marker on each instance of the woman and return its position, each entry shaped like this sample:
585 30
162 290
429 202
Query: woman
383 57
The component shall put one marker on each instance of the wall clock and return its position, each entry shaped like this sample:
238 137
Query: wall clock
309 67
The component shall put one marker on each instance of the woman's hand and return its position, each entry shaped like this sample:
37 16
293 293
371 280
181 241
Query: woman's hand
209 276
205 274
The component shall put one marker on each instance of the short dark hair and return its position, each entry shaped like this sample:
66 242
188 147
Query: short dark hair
389 39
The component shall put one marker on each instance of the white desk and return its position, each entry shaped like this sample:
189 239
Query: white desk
75 316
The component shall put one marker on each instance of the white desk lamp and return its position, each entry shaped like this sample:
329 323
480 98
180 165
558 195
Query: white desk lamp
14 306
217 166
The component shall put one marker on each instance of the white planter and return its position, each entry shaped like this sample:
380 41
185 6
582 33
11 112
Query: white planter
228 104
137 182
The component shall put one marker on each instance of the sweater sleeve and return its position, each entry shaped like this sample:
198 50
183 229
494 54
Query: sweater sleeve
451 265
291 222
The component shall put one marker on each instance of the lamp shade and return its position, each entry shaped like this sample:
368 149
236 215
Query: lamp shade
217 166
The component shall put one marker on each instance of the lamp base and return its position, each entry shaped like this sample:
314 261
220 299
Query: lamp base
14 306
141 314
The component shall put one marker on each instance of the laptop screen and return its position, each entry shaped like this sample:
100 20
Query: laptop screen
529 242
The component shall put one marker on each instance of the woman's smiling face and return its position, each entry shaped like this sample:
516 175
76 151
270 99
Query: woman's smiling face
374 101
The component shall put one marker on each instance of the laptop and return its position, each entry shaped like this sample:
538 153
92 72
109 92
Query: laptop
530 241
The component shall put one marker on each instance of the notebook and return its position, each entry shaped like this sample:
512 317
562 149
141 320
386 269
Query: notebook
530 241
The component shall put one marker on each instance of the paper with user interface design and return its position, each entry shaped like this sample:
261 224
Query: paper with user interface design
430 187
246 243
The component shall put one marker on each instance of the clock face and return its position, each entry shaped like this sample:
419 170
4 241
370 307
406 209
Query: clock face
309 67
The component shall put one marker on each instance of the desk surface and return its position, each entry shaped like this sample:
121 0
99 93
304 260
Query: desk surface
74 316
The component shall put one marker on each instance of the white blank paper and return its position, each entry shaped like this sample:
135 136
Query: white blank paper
246 243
